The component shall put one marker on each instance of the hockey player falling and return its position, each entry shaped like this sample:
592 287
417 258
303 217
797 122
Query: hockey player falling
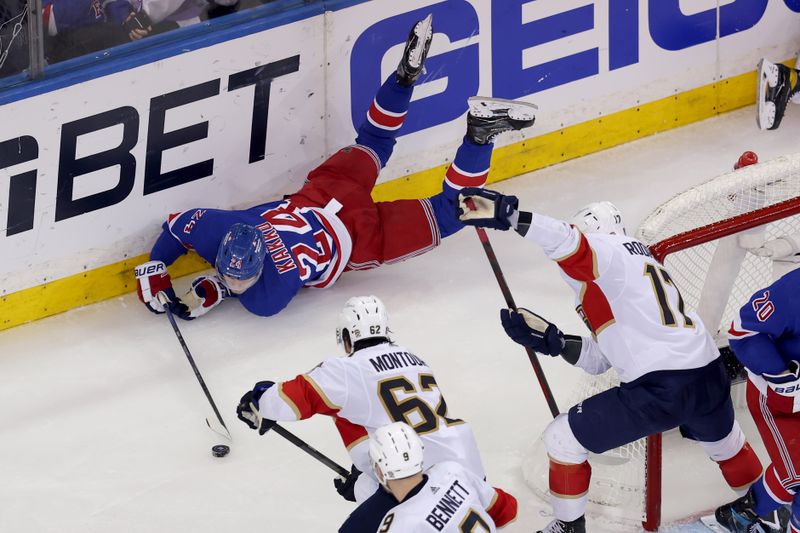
671 372
264 255
765 337
379 382
777 86
416 495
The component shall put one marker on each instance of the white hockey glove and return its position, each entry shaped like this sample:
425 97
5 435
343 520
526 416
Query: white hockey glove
782 248
206 293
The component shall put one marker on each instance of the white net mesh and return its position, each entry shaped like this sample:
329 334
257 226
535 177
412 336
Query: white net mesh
715 279
718 277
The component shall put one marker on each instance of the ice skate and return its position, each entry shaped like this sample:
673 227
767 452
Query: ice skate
774 91
739 516
412 65
489 117
559 526
777 521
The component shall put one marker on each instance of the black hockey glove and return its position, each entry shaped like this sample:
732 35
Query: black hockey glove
531 330
247 410
486 208
346 487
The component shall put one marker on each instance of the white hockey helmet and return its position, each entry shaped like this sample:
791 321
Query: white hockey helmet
599 217
363 317
395 451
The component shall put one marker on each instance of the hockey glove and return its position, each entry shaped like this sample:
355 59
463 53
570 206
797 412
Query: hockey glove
206 293
152 278
247 410
346 486
531 330
486 208
784 393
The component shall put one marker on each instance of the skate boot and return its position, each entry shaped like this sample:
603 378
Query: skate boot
739 516
778 520
559 526
412 65
774 91
489 117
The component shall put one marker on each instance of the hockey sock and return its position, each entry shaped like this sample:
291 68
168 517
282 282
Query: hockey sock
470 168
770 493
384 118
569 485
741 470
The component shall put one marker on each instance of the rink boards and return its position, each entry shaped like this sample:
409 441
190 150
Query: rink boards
238 110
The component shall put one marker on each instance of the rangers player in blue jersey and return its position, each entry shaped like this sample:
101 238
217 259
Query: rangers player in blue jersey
765 336
264 255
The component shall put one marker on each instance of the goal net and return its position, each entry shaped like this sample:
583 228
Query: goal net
706 237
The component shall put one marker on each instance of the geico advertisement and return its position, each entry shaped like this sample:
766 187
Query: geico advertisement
575 59
88 173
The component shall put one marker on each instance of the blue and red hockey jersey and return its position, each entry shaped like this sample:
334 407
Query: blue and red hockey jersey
306 247
765 335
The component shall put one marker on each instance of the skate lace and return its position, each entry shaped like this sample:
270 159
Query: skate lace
556 526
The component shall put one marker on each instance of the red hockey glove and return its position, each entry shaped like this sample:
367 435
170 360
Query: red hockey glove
206 293
152 278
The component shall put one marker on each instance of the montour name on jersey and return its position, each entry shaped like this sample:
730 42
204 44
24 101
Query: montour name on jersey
447 506
394 360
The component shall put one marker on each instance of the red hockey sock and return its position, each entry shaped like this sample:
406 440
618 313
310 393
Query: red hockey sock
569 480
741 470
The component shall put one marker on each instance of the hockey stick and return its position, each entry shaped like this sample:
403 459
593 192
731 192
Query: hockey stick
310 450
222 429
611 460
501 280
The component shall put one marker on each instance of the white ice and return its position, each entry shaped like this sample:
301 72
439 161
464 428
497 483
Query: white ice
102 421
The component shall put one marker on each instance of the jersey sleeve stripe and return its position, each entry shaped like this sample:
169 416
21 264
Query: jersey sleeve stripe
356 442
171 223
581 264
736 331
321 393
285 397
596 307
352 434
503 508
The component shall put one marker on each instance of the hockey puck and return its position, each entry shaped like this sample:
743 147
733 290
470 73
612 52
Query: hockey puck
220 450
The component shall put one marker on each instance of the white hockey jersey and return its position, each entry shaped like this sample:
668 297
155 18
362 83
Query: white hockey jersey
374 387
452 500
627 299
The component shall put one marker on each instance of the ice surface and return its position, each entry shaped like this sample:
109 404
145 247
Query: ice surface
101 424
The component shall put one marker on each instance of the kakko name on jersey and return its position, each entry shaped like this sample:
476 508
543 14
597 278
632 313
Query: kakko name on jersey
304 248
